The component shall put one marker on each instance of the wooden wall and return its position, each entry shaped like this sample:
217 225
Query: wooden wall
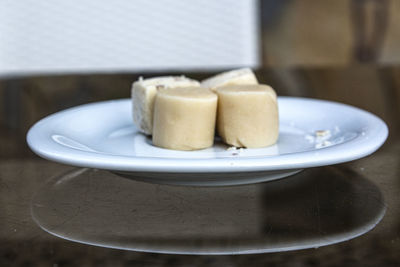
330 32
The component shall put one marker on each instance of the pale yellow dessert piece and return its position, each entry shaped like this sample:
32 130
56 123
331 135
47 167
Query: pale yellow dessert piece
143 95
184 118
247 115
238 76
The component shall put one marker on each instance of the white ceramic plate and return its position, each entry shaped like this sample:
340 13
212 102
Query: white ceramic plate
102 135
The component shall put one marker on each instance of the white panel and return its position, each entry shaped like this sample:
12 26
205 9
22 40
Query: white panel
123 35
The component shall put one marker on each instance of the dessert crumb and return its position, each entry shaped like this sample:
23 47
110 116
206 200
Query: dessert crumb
322 133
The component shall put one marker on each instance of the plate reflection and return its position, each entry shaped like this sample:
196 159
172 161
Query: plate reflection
316 207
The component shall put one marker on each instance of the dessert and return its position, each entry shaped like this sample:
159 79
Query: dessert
247 115
143 94
239 76
184 118
182 114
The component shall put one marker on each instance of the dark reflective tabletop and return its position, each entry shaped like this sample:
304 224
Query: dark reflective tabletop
315 208
334 213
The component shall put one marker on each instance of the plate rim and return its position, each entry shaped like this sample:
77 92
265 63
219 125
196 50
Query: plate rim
361 146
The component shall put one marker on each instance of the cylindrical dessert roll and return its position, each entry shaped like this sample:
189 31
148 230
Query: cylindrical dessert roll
143 95
248 115
233 77
184 118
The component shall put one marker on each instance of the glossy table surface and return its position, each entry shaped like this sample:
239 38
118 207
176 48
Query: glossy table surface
320 209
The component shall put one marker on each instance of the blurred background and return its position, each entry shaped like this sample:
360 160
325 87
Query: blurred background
91 36
123 35
58 54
